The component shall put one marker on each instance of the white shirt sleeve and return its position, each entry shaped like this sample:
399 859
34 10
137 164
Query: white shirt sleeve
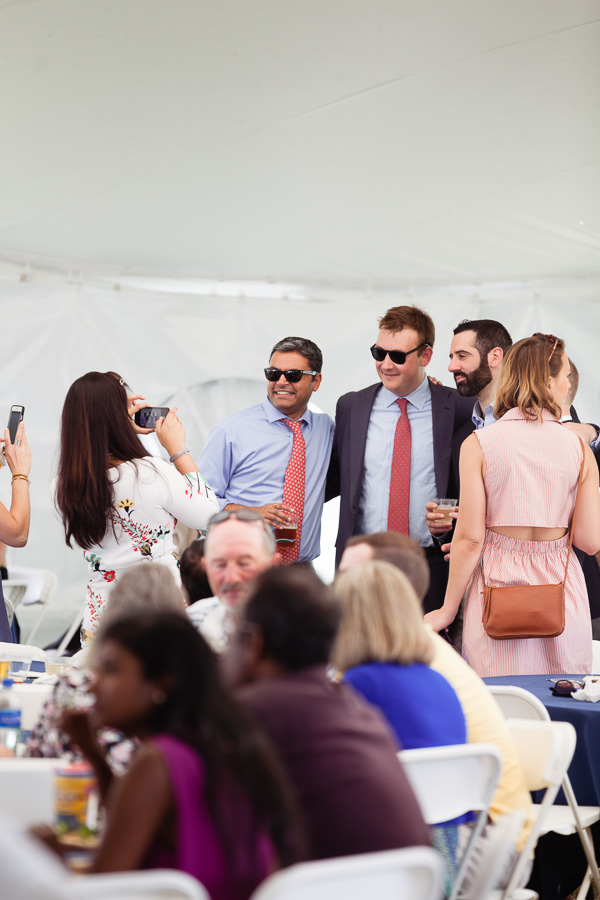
187 497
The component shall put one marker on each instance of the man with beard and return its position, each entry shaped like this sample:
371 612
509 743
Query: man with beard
476 355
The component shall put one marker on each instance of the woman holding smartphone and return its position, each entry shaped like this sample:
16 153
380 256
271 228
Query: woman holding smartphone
14 522
118 503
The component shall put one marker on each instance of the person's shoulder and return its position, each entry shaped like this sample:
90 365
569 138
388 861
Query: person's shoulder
251 412
353 398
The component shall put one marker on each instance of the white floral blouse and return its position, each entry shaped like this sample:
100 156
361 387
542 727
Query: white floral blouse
150 495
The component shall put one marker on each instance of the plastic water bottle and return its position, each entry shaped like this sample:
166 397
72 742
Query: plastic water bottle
10 719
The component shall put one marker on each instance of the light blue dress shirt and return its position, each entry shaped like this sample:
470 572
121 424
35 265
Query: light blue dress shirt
246 457
374 501
482 417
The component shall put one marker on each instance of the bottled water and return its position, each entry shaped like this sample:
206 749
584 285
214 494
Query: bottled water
10 719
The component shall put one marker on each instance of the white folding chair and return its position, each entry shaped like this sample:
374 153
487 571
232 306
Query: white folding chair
495 857
517 703
155 884
452 780
27 790
31 872
21 651
545 751
414 872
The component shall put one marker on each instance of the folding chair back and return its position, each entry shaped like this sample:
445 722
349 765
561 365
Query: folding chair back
545 751
414 872
452 780
517 703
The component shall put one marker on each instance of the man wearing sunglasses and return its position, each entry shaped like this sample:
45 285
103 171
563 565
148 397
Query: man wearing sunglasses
273 457
393 442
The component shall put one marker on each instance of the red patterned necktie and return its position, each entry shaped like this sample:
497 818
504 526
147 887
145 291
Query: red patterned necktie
400 478
293 489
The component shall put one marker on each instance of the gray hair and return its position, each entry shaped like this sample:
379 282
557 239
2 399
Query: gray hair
307 349
145 587
266 531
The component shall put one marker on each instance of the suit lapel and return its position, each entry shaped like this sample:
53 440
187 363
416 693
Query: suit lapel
443 403
359 425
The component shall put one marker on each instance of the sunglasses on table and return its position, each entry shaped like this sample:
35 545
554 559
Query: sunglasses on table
290 375
564 687
398 357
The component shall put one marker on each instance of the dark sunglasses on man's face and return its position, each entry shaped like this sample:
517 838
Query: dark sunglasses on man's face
397 356
291 375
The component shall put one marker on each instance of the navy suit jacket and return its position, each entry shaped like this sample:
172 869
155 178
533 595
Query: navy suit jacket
589 564
449 412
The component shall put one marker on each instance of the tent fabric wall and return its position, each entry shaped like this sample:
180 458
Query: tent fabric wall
196 352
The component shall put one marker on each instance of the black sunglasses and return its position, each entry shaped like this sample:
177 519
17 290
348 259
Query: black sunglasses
291 375
397 356
243 515
564 687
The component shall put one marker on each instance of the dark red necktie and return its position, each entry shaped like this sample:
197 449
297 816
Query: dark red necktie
400 478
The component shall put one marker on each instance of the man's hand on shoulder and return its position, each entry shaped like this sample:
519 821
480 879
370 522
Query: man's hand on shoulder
435 381
587 433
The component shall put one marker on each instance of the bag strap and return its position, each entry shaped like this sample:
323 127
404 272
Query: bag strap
571 527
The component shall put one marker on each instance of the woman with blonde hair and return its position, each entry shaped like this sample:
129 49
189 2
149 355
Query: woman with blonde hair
519 482
383 650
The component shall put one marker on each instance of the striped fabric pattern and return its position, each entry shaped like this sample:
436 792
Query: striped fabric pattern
531 480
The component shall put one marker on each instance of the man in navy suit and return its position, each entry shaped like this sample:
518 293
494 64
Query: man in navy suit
366 422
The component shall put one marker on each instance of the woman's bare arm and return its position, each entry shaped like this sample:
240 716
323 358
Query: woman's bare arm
586 534
469 532
138 805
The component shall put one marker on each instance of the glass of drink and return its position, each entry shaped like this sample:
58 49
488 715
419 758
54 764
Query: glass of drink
286 534
4 667
445 505
19 668
56 665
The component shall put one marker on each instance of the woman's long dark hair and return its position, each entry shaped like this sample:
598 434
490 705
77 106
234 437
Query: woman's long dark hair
95 429
239 760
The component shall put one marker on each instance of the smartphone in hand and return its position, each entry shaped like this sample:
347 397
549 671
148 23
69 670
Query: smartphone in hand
147 417
15 417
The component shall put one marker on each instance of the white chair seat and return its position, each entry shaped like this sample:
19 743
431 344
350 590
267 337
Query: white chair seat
560 819
414 872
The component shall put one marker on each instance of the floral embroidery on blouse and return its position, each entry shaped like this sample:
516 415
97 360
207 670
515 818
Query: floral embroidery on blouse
46 739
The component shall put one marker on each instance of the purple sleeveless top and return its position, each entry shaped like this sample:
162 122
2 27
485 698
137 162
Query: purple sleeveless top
199 850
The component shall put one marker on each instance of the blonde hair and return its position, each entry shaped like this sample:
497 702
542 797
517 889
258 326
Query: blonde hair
524 380
382 618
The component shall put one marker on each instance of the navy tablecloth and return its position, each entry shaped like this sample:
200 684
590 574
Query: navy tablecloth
584 771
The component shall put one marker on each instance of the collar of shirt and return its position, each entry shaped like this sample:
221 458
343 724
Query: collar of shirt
274 415
418 398
481 417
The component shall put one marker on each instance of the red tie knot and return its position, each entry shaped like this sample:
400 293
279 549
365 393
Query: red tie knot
294 425
402 402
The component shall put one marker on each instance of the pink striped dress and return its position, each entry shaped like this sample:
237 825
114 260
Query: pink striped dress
531 480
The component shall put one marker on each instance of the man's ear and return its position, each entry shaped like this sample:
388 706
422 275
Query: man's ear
495 357
316 382
426 356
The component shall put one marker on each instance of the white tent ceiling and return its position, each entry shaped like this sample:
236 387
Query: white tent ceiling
325 142
245 169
